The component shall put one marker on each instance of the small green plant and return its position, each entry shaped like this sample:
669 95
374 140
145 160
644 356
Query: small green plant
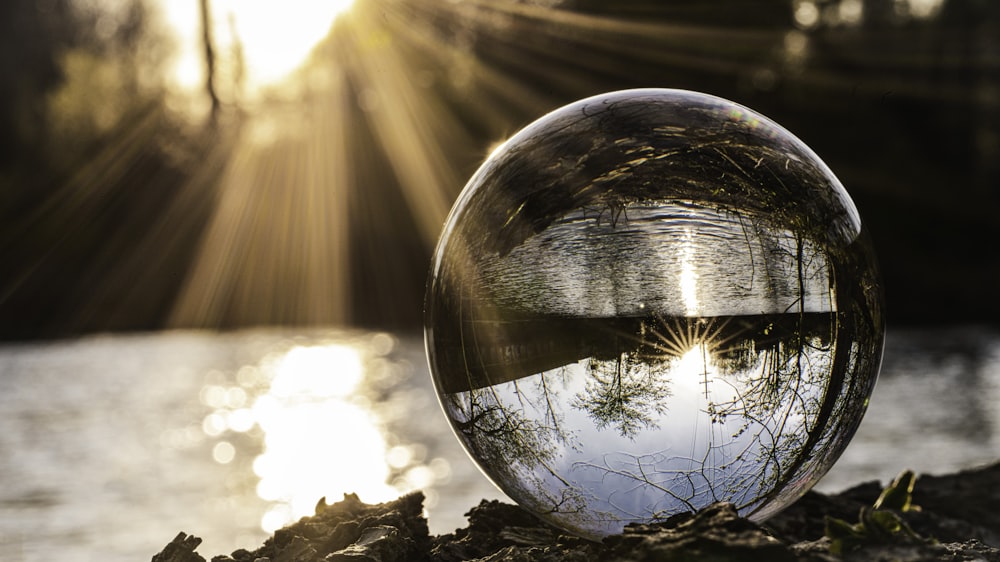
880 523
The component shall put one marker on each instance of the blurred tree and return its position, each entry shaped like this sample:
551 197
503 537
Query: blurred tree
104 192
34 35
209 47
96 165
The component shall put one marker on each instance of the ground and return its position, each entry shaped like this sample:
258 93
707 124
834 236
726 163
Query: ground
948 518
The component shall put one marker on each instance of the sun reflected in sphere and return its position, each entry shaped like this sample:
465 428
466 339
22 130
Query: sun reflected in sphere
648 301
688 276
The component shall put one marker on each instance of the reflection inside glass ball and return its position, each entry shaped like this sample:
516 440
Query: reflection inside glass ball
649 301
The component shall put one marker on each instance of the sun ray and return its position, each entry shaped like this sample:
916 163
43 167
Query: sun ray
276 248
409 124
526 32
120 185
408 66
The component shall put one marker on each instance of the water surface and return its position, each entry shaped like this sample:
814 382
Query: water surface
112 444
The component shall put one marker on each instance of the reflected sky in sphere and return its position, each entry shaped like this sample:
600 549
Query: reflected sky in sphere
649 301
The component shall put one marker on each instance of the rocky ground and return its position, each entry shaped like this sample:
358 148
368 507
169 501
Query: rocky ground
954 517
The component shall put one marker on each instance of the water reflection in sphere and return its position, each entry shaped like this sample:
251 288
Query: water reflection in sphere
649 301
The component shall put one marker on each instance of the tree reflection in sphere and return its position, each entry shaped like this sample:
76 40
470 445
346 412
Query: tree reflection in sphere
648 301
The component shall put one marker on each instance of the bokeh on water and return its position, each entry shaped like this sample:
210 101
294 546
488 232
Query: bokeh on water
113 444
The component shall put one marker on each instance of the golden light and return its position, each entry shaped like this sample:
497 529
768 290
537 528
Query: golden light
181 19
277 37
273 38
318 371
303 422
317 442
688 276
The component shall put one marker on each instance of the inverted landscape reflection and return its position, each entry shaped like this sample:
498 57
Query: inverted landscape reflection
703 410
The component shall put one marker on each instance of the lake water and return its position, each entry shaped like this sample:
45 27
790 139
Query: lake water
581 266
112 444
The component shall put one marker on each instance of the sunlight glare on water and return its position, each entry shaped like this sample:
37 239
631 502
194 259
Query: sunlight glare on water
309 426
311 420
306 371
92 426
688 278
316 417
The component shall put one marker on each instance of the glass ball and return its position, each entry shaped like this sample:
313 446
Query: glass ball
648 301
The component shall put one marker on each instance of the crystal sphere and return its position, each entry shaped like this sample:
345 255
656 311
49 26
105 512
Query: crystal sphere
648 301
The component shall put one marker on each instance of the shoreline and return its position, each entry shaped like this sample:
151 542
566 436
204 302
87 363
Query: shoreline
949 517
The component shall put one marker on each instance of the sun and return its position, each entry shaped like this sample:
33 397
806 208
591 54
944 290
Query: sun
277 37
274 38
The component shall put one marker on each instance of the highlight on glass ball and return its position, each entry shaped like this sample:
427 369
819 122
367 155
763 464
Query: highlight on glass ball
649 301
